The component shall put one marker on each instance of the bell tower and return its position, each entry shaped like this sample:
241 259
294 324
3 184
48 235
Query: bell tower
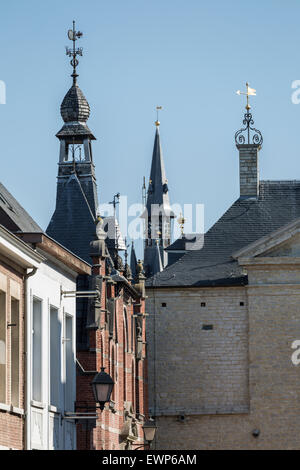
73 221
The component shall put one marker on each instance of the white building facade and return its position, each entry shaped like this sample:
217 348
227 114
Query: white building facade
50 346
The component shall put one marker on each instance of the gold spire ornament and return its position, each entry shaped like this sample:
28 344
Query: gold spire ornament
158 108
249 92
181 221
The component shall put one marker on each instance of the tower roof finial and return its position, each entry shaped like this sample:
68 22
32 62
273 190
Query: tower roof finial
248 122
73 35
158 108
181 221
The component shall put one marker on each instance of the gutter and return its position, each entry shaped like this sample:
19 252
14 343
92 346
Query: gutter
25 384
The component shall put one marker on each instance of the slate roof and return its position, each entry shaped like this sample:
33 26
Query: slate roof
183 243
75 106
133 261
244 222
73 222
13 216
75 111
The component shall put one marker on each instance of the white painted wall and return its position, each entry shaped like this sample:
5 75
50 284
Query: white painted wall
46 427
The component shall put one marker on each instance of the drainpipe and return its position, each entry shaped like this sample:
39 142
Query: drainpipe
26 276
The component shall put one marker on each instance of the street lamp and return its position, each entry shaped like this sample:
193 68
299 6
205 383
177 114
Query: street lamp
102 385
149 429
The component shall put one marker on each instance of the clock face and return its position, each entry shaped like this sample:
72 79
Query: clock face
70 34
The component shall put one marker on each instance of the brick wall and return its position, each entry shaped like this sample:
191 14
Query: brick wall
11 419
245 361
118 354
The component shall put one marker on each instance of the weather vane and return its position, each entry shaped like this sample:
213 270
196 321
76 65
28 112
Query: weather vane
73 35
181 220
158 108
248 122
249 92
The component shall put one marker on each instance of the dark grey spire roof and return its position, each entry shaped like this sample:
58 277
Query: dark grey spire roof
133 261
75 111
73 222
13 216
75 106
244 222
158 191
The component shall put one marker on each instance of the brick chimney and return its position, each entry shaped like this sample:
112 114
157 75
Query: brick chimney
249 171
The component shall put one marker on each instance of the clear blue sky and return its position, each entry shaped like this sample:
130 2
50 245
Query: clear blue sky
188 56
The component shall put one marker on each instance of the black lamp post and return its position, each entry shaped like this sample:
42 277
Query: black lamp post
102 387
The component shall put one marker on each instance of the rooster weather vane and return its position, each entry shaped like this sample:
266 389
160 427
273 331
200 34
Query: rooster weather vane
245 132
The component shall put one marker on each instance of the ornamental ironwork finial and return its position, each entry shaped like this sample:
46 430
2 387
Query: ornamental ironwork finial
254 137
73 35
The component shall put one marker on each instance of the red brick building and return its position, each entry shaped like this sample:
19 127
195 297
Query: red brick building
117 341
110 324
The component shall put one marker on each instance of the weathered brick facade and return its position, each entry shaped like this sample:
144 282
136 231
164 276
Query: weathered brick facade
117 341
12 416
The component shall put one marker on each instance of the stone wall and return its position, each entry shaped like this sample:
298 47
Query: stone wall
211 389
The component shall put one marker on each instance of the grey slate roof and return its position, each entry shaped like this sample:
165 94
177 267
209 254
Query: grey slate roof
183 243
133 261
244 222
75 106
75 111
73 222
13 216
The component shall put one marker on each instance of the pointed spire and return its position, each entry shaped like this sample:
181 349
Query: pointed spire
133 261
157 265
158 191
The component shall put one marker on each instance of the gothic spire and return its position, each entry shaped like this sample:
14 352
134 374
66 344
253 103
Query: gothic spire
133 261
158 191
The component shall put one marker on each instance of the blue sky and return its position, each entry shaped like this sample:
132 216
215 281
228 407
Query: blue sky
188 56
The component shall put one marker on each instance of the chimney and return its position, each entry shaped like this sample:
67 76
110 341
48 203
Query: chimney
249 171
248 142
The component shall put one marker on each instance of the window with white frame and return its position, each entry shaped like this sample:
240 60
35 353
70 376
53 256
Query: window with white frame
37 350
15 351
69 363
3 329
54 355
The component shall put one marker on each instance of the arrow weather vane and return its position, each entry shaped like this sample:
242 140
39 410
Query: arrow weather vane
249 92
73 35
248 122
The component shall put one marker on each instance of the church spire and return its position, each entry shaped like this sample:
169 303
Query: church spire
73 222
133 261
159 213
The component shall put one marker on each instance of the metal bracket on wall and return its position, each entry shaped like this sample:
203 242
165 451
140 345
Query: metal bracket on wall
90 294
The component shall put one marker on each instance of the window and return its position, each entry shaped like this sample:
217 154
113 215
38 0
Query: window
37 350
70 364
54 356
2 347
15 352
126 348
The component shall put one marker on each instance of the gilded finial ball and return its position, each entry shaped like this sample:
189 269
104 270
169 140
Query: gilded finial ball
157 123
